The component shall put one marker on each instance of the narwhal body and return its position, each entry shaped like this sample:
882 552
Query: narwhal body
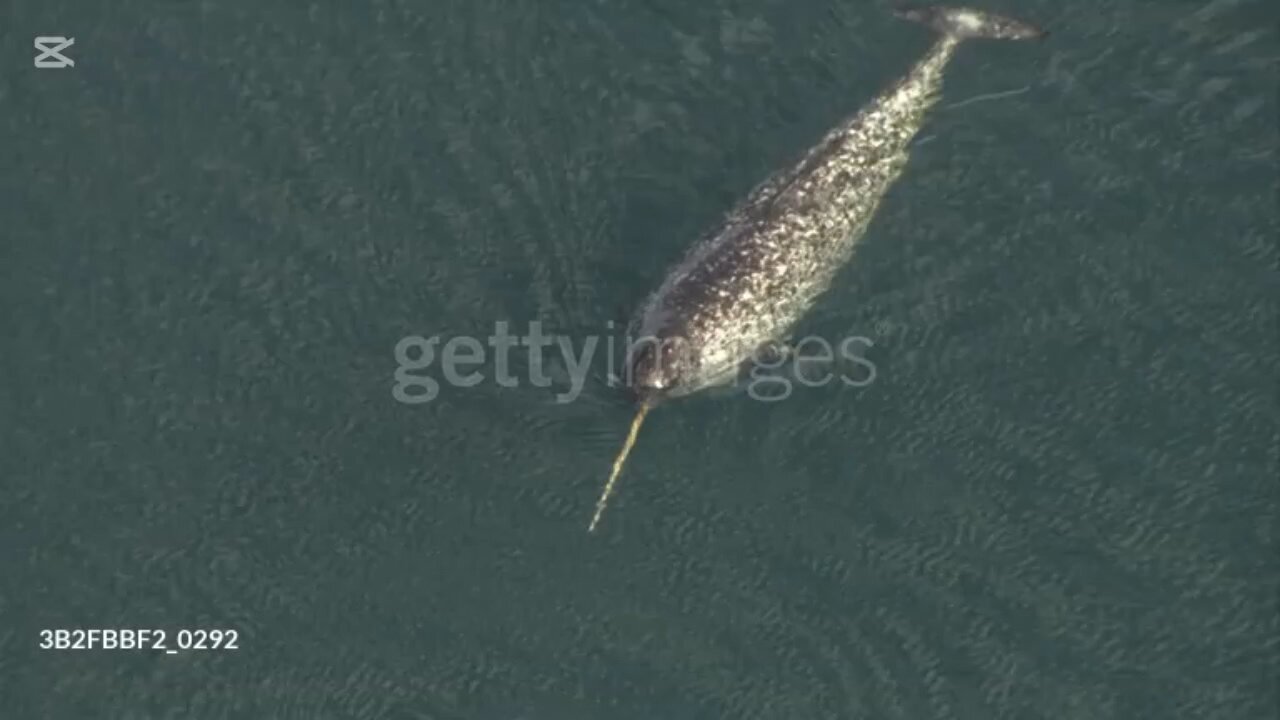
746 284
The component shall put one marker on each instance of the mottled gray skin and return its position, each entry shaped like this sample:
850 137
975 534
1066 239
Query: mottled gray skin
745 285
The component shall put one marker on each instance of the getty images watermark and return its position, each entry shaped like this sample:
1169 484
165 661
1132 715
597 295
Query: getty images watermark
770 375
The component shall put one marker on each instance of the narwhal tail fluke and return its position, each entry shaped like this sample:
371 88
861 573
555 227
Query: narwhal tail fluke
617 467
964 23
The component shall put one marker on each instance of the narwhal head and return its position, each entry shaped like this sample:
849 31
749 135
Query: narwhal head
659 368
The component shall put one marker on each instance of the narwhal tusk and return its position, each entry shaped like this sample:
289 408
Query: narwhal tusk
617 467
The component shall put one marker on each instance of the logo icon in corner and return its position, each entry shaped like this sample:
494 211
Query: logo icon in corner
51 47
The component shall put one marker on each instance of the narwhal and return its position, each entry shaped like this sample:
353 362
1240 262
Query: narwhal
744 285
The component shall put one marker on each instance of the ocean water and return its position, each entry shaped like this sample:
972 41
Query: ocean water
1056 499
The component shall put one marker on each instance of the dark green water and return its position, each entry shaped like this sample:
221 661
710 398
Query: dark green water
1058 499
